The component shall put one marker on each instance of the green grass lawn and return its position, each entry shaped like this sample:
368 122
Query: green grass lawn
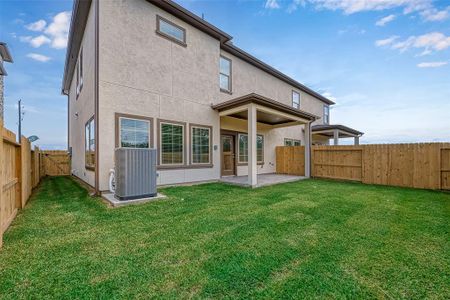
309 239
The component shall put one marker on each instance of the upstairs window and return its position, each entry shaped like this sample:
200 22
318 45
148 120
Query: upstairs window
326 114
295 100
225 74
80 72
170 30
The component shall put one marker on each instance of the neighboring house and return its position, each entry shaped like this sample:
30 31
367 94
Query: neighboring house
4 56
152 74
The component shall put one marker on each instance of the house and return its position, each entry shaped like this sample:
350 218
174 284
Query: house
5 56
152 74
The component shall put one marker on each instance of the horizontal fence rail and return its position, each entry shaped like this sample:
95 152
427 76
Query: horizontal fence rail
21 170
423 165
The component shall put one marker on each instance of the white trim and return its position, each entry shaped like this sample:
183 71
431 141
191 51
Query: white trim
192 145
183 143
299 100
135 119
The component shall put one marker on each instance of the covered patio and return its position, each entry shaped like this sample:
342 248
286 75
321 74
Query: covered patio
336 132
256 109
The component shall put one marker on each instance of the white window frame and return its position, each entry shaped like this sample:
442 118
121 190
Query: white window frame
183 143
326 114
192 144
239 148
227 90
79 73
294 104
149 123
293 141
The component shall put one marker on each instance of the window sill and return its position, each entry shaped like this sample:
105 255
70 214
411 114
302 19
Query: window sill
226 92
246 164
168 37
182 167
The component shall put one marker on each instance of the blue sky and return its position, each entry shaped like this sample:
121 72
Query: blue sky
386 63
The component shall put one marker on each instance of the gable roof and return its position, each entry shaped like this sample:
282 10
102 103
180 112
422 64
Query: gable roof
79 17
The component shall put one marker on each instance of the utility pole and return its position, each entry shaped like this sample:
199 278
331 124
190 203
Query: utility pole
19 105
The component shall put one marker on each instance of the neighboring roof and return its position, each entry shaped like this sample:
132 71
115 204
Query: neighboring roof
79 17
2 70
264 101
80 12
342 128
4 52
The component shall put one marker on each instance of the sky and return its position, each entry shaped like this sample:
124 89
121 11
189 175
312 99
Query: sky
386 63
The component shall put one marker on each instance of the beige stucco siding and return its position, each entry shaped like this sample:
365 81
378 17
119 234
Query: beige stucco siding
142 73
248 79
83 105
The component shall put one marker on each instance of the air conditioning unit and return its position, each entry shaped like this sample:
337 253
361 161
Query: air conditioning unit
135 173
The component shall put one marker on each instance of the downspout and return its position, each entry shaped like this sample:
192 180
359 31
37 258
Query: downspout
96 98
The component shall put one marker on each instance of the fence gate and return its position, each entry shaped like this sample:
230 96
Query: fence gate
55 163
445 168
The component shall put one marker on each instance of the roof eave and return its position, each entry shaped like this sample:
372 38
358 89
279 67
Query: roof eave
4 51
258 99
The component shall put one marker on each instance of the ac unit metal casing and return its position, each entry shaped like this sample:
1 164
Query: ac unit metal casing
135 172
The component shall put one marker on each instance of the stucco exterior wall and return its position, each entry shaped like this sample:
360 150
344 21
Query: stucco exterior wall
144 74
83 105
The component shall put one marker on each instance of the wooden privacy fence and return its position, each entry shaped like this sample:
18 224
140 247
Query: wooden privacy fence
21 169
410 165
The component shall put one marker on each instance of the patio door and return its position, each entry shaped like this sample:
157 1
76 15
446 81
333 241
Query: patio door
228 155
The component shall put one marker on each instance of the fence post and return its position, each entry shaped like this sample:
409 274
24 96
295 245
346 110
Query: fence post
2 207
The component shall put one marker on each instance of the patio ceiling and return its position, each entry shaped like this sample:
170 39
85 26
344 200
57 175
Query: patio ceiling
328 131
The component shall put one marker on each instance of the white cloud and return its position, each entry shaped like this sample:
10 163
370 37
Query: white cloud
433 14
36 26
272 4
58 30
436 41
25 39
386 42
424 7
38 41
38 57
434 64
385 20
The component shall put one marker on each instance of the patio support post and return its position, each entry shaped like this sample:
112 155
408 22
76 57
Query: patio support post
356 140
336 137
308 150
252 177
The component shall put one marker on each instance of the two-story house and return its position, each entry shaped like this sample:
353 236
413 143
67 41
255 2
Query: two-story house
152 74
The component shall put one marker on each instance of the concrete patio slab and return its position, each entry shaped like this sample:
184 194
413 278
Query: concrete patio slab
116 202
263 179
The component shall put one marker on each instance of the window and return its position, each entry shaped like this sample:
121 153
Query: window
79 68
200 145
171 143
225 74
134 132
292 142
243 148
89 149
295 100
326 114
170 30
